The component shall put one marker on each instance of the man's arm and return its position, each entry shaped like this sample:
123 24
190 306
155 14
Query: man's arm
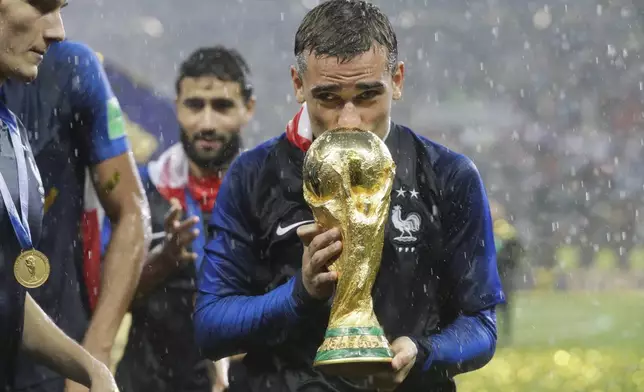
465 345
120 192
473 285
45 342
231 314
126 207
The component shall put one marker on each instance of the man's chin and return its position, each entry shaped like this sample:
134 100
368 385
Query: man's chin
27 73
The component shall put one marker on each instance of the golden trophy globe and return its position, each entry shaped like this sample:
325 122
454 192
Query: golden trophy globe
347 179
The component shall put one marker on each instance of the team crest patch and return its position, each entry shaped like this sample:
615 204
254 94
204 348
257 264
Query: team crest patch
407 224
116 123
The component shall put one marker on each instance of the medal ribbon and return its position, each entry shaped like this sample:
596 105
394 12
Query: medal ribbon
20 226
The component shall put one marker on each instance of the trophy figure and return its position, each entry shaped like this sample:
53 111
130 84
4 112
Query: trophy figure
347 179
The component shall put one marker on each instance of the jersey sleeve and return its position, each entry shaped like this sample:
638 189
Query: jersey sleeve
471 268
92 98
233 314
465 345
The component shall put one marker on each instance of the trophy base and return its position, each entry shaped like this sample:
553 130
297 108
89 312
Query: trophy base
351 368
354 352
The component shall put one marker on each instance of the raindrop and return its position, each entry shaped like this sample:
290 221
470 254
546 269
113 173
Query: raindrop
542 18
151 26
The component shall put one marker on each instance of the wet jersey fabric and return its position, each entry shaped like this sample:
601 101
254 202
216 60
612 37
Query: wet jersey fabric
161 354
438 281
73 122
12 294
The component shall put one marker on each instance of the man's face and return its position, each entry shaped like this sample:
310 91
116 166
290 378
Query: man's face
211 113
354 94
27 29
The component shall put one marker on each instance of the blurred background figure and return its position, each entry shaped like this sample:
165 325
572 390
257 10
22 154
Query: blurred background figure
214 103
508 254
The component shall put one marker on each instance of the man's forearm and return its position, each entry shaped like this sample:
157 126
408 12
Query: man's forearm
226 326
465 345
46 343
121 271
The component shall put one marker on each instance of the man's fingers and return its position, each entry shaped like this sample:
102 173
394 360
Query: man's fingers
405 353
173 214
325 239
189 257
325 277
185 238
308 232
186 225
321 258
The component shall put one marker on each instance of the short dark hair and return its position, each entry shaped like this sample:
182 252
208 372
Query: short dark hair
223 63
344 29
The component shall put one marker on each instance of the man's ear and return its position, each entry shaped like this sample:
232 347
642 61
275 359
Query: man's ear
398 80
297 85
250 109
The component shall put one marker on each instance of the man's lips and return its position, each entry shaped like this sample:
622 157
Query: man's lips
39 55
209 144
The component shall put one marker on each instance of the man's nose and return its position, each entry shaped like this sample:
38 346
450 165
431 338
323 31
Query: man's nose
54 28
208 118
349 116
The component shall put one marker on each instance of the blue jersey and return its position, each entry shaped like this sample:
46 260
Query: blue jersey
73 121
12 294
438 281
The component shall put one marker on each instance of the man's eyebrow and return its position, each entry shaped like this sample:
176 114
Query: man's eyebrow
326 88
331 88
370 85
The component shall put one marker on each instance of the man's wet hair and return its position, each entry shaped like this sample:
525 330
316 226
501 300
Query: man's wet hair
222 63
344 29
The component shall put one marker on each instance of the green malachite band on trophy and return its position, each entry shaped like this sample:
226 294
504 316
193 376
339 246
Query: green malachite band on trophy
362 353
354 331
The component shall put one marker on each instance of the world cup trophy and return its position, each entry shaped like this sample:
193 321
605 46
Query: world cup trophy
347 179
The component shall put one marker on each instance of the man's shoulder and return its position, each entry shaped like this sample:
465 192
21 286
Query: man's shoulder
72 52
251 161
55 78
444 161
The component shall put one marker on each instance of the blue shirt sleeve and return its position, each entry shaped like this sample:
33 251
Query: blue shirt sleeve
466 344
93 99
471 277
233 314
473 281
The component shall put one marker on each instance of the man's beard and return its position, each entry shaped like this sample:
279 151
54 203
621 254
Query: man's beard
215 160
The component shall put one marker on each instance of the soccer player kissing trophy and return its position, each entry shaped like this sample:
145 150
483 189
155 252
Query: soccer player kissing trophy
348 176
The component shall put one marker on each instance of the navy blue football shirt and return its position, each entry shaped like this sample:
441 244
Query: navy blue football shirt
438 282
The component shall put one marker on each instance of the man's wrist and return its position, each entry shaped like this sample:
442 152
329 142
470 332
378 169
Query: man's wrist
99 346
424 350
99 373
301 297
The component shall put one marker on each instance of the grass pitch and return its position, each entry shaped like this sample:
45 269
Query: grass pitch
568 342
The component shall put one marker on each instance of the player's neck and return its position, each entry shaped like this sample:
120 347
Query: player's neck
201 172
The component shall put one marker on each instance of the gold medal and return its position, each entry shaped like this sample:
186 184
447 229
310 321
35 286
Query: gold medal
31 269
